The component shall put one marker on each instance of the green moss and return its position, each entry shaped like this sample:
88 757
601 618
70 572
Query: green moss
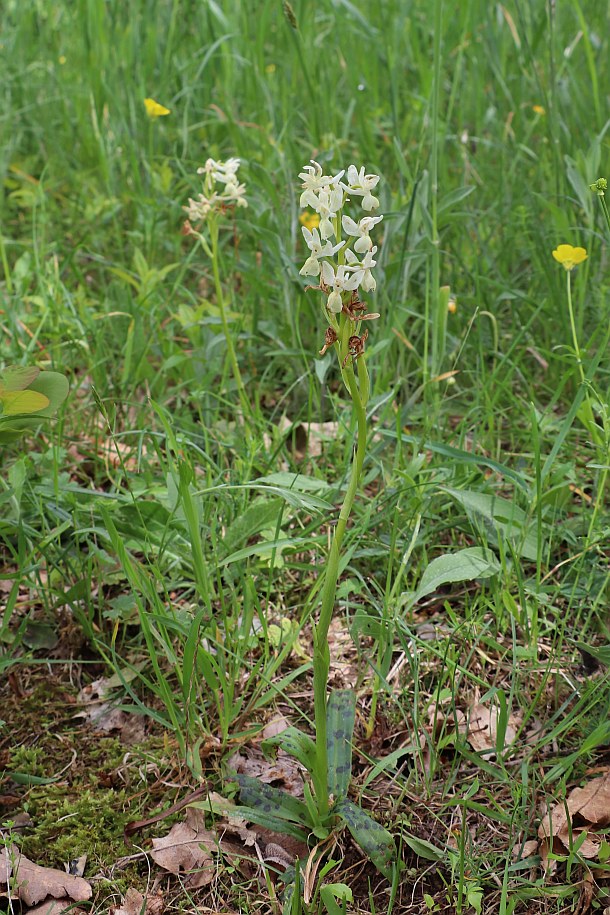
68 825
30 760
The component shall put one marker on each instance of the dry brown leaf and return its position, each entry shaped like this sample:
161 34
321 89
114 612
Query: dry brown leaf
135 903
481 728
186 850
103 715
525 850
591 804
56 907
284 772
32 883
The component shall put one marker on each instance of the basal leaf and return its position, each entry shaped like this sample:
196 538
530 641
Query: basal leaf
501 518
296 744
464 565
271 801
17 377
340 718
274 823
375 841
15 403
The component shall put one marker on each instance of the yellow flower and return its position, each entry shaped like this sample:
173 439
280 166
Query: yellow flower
538 109
154 109
568 256
309 220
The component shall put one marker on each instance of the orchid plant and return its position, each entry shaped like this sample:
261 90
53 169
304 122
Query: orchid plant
222 193
342 259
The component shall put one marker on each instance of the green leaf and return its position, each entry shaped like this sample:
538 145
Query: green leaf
17 377
15 403
265 799
340 720
274 823
501 517
453 197
423 848
465 565
262 513
601 653
53 385
333 891
296 744
375 841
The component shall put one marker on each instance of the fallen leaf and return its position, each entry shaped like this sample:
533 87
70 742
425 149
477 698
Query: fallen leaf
32 883
186 850
283 772
135 903
525 850
592 805
56 907
481 729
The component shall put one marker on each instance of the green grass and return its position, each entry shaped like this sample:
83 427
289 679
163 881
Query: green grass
144 519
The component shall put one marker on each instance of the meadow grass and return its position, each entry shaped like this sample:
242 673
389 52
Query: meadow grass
146 520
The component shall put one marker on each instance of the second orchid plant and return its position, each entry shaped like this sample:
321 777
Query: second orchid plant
341 259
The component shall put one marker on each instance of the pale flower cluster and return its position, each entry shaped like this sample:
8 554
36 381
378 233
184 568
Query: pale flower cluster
230 192
327 195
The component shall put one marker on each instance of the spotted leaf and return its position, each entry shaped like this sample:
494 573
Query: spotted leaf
375 841
340 719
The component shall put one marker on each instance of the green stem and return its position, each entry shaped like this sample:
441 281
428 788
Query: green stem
243 397
573 326
321 653
604 205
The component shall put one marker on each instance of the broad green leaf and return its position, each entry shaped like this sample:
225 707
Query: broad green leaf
53 385
333 891
17 377
423 848
464 565
261 514
297 482
601 653
501 517
375 841
15 403
270 801
296 744
340 719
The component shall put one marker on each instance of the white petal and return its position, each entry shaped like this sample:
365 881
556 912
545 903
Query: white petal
369 283
328 274
363 244
350 226
326 228
334 302
352 175
311 267
354 280
369 202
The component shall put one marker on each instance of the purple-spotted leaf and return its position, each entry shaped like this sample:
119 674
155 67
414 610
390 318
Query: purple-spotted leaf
17 377
270 801
375 841
340 718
